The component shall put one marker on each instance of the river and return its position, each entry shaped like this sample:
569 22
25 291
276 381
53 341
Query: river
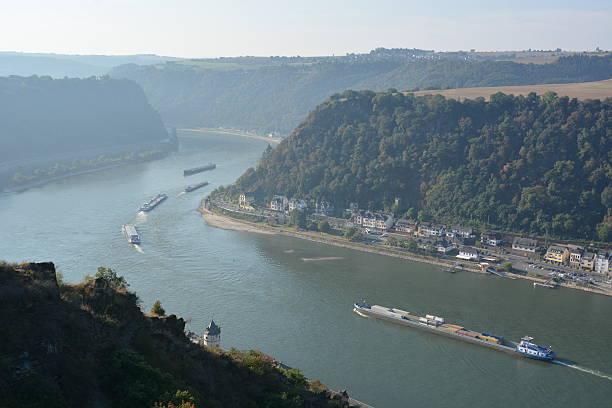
274 294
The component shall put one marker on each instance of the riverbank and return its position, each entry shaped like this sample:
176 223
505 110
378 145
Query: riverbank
130 158
225 222
232 133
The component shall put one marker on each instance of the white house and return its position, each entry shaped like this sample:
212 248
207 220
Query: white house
525 244
324 207
445 247
468 254
427 229
603 261
492 239
369 219
463 232
279 203
405 226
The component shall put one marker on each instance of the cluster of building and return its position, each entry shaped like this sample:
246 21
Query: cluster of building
443 238
281 203
578 258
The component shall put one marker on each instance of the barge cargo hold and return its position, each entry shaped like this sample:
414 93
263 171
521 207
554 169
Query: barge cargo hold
193 187
437 325
200 169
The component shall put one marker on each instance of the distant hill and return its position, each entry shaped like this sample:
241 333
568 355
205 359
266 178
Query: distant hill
535 164
47 122
73 66
275 94
90 345
580 90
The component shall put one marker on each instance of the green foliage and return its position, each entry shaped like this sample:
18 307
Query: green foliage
352 234
180 399
111 277
604 231
323 226
298 219
507 266
59 277
133 382
296 377
158 309
528 164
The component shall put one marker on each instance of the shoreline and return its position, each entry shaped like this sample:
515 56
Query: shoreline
39 183
229 223
20 188
231 132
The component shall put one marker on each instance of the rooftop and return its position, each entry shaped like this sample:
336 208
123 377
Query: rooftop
212 329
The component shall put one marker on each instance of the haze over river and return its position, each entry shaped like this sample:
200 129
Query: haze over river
265 296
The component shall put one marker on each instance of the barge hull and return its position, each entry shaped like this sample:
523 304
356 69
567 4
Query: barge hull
432 329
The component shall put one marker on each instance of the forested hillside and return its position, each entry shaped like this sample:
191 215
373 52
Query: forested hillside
90 345
40 116
527 164
275 94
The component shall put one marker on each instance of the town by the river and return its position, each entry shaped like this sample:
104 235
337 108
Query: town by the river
292 299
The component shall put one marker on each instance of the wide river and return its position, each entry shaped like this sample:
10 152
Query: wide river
273 293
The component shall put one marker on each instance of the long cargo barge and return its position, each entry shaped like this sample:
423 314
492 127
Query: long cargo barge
154 202
437 325
193 187
200 169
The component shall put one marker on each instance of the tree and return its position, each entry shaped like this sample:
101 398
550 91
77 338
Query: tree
324 226
604 231
392 241
352 234
158 309
298 219
606 198
507 266
111 277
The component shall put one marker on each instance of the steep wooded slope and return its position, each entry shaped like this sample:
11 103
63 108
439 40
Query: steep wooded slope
527 163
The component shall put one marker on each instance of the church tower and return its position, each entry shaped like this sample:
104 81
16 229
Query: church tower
212 334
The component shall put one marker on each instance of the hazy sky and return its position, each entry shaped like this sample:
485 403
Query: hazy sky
203 28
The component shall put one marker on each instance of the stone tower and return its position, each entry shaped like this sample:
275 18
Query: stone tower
212 334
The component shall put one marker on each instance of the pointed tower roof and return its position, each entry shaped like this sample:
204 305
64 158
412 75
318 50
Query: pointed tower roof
212 329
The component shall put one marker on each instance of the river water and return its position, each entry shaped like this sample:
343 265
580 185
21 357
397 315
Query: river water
274 293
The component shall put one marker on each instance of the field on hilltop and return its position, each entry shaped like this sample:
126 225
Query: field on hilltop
582 90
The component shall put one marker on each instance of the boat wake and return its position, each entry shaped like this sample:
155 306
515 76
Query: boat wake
584 369
323 258
141 217
138 248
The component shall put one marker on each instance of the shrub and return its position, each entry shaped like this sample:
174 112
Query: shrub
111 277
158 309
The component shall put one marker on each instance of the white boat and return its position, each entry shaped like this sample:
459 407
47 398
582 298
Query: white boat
544 285
131 234
529 349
